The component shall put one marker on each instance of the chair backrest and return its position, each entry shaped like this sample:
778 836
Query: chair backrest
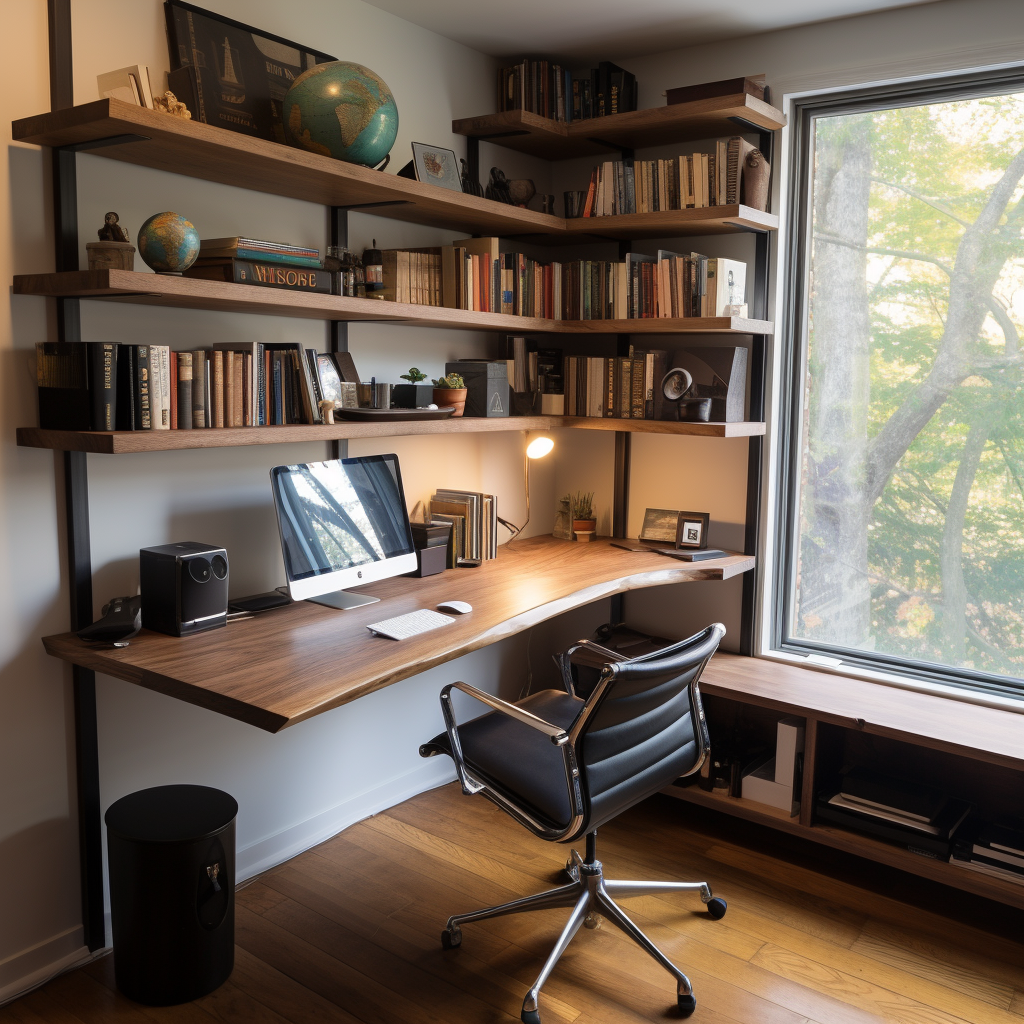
644 727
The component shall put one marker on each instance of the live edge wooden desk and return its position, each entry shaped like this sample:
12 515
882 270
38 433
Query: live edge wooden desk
293 663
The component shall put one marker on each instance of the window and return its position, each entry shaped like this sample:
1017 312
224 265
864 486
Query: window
902 526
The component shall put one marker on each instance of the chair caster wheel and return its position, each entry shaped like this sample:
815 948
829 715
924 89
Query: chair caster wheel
716 908
687 1004
451 941
530 1017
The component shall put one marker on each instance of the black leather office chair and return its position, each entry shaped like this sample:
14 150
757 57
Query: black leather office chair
563 766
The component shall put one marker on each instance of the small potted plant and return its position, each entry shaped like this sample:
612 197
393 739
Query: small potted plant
451 390
584 522
415 394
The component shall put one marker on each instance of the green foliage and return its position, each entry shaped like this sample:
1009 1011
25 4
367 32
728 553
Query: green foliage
414 376
452 380
933 169
581 504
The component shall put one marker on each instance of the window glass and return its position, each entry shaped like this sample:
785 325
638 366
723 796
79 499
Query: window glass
909 528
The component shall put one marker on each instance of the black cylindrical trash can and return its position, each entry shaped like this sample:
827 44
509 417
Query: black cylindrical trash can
171 858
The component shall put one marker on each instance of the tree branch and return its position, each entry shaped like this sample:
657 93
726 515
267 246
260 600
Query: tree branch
933 203
902 254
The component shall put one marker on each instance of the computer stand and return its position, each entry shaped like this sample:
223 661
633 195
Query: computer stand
343 599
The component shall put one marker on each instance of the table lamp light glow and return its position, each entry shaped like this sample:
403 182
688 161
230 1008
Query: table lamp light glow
536 449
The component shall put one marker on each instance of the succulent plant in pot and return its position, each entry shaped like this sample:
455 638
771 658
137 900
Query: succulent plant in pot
581 509
451 390
415 394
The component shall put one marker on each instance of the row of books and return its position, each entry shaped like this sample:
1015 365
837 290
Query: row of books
112 386
991 848
686 182
474 519
618 387
474 274
548 89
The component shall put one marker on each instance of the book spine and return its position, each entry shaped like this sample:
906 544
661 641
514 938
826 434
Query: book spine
269 256
238 393
217 402
199 389
184 391
103 384
637 392
172 376
143 399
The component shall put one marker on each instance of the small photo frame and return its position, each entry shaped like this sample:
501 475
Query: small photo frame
330 380
436 166
692 530
661 526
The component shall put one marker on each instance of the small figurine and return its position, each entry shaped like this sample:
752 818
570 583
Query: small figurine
170 104
470 186
756 175
111 230
327 411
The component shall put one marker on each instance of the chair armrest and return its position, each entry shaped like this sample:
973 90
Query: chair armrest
564 661
557 735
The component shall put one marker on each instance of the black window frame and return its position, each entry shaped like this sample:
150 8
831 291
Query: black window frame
782 592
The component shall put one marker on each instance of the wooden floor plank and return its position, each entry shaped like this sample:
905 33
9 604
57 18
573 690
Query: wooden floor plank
349 933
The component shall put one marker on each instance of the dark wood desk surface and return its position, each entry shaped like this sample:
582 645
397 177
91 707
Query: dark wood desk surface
290 664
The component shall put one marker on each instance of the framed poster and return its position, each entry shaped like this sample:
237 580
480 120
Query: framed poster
436 166
661 526
693 530
232 75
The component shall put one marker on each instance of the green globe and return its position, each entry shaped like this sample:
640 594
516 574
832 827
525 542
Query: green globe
168 243
342 110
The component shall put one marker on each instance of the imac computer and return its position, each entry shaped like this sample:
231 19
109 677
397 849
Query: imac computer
343 523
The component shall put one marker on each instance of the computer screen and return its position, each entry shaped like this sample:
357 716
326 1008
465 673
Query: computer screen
340 515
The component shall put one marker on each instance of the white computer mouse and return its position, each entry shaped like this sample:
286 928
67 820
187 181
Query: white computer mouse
458 607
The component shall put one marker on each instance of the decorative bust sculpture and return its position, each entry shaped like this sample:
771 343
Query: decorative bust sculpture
111 230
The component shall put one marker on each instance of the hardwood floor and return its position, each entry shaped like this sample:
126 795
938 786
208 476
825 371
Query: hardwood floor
349 932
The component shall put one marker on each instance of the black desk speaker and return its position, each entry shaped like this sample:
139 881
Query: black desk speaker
184 587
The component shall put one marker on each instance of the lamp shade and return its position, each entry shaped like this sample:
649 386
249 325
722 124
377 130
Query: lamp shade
539 447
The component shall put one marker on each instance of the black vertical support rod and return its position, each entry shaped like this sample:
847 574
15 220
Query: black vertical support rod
339 328
623 453
755 452
76 499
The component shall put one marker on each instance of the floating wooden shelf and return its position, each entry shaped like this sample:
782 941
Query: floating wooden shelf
714 220
195 293
215 154
555 140
126 442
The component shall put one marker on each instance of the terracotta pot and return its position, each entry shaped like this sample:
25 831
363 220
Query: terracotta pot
451 396
584 525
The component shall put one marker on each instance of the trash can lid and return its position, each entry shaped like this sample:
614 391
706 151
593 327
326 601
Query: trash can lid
168 814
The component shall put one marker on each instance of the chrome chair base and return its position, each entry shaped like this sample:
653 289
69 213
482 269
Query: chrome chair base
590 894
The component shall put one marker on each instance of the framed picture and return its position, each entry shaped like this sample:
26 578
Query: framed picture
230 74
661 526
693 530
436 166
330 380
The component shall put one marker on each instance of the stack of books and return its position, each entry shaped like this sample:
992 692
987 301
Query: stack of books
474 519
112 386
616 387
475 274
995 849
913 815
539 86
256 262
548 89
687 182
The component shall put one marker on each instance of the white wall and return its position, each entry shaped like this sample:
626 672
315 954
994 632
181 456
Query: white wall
306 782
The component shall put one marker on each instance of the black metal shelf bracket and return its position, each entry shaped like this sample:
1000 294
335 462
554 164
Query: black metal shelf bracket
76 493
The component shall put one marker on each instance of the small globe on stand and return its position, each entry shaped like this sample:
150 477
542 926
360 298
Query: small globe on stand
169 243
342 110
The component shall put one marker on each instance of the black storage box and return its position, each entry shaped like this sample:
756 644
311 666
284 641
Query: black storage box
430 561
487 386
412 396
171 859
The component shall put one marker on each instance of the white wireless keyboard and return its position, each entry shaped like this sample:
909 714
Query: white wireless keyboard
401 627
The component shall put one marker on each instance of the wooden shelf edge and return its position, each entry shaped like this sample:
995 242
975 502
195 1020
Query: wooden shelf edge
194 293
127 442
860 845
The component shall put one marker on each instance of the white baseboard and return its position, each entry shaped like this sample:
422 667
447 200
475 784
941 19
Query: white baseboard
31 967
276 849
